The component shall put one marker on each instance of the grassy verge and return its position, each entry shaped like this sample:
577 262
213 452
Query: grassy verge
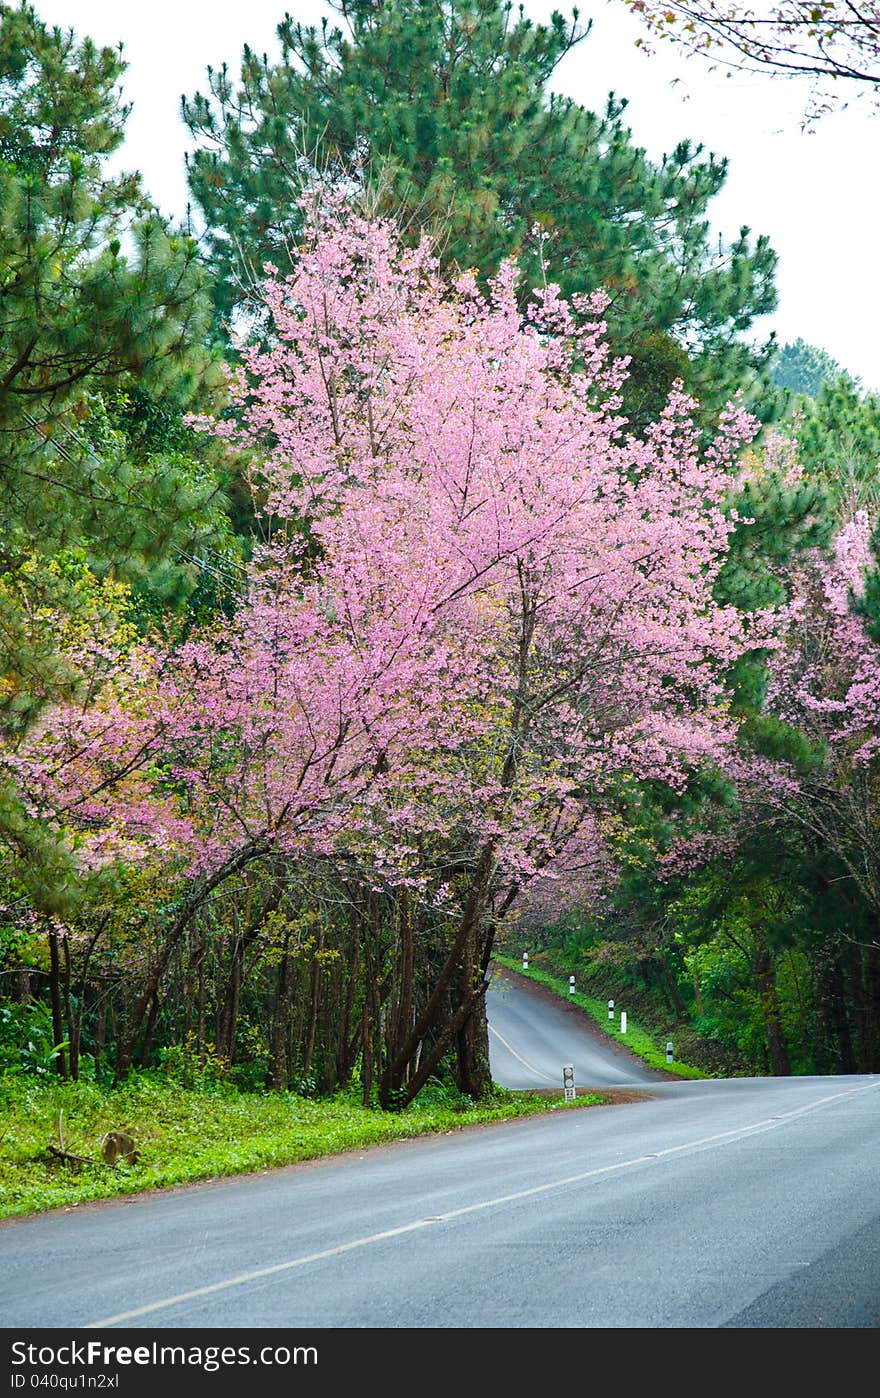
637 1040
184 1135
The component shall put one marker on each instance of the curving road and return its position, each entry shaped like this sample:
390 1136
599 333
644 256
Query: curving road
746 1203
532 1033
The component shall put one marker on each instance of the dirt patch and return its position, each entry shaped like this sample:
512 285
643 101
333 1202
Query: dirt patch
611 1096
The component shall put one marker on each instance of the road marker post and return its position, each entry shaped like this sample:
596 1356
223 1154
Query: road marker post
571 985
568 1081
610 1009
525 961
623 1021
668 1050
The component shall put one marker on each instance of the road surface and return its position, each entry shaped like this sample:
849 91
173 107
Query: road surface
745 1203
533 1032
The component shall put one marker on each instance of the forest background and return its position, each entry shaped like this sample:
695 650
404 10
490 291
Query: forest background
418 554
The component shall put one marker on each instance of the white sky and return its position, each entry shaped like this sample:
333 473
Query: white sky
816 194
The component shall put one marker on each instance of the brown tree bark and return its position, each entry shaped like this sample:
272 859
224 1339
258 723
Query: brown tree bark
463 948
872 980
864 978
55 995
227 1019
314 1004
672 989
430 1061
155 975
100 1025
473 1075
765 971
840 1018
149 1031
279 1064
72 1020
347 1043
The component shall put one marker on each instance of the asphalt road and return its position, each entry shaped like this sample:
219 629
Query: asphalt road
532 1033
748 1203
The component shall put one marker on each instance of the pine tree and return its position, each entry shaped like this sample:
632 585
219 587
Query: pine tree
838 436
802 368
98 298
94 283
443 106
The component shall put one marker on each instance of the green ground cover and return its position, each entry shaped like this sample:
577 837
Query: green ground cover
184 1134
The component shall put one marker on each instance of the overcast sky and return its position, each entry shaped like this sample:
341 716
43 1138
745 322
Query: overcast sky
815 194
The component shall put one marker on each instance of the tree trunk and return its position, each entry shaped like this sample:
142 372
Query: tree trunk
227 1020
461 954
698 993
864 977
314 1005
404 1010
400 1017
149 1031
100 1025
473 1074
72 1020
872 980
346 1042
57 1011
367 1056
840 1019
82 984
279 1063
201 995
192 904
671 985
430 1061
777 1048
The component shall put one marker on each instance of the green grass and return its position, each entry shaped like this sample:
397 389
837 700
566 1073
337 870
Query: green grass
183 1135
635 1039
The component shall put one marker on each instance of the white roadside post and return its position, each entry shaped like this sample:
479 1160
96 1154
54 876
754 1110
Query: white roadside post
525 961
568 1081
623 1021
668 1050
571 985
610 1009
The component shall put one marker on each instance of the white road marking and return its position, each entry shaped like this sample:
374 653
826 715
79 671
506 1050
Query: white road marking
723 1137
539 1073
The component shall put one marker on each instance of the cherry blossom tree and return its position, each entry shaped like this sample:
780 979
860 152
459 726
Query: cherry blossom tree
826 682
478 605
520 591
